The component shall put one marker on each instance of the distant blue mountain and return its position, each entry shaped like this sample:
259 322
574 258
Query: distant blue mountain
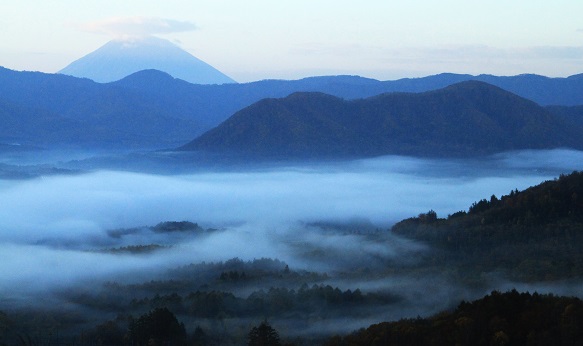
120 58
152 109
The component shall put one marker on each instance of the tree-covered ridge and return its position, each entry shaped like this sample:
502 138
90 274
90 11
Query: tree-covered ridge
176 226
317 300
218 302
510 318
213 290
535 234
184 227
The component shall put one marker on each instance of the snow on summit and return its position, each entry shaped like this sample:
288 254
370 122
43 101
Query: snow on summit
120 58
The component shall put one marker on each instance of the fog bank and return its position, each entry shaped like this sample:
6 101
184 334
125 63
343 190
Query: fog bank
52 228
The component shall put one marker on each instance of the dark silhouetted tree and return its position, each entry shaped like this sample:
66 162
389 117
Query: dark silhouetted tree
158 327
199 337
109 333
263 335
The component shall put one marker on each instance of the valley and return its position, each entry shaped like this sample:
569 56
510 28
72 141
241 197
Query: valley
312 248
291 173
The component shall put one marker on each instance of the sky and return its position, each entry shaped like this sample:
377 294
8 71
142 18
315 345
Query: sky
262 39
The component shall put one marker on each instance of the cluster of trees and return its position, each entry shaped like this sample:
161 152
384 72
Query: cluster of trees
323 300
259 268
176 226
136 249
212 276
162 227
510 318
159 326
533 235
233 276
209 306
263 335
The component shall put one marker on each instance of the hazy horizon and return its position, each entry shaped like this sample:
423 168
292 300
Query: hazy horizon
255 40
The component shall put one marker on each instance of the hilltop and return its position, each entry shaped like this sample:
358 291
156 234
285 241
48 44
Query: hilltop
467 118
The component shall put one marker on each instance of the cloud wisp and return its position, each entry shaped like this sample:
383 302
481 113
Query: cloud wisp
137 26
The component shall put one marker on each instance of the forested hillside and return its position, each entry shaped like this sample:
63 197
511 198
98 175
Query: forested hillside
466 119
532 235
510 318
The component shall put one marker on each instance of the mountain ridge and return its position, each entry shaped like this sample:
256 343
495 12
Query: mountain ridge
467 118
150 109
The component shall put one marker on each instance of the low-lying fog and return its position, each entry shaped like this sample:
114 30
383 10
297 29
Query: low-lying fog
51 228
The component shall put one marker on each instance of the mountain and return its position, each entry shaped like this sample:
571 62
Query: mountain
53 110
120 58
467 118
540 89
212 104
152 110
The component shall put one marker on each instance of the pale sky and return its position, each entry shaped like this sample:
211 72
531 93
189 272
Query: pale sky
283 39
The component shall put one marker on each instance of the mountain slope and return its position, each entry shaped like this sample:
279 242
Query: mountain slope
510 318
532 235
467 118
120 58
574 113
20 122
